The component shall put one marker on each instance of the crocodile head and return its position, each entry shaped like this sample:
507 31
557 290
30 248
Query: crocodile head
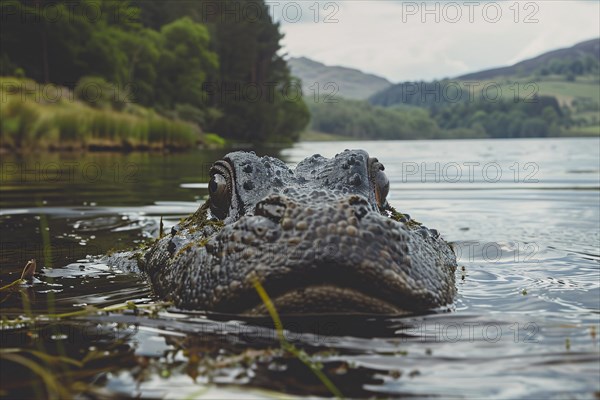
320 238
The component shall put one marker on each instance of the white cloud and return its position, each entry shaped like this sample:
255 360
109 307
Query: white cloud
400 41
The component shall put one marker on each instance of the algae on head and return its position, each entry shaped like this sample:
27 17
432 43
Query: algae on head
199 220
198 243
399 217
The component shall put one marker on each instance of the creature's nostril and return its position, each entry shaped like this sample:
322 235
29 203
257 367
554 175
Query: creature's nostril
361 212
259 227
360 205
274 211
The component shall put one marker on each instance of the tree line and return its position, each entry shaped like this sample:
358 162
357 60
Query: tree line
537 117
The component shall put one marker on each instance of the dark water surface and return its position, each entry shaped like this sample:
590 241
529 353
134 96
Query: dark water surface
523 215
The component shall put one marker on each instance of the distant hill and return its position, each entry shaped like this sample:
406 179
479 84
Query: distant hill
538 64
571 75
351 83
554 94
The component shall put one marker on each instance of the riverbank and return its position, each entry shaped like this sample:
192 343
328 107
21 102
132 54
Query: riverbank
48 117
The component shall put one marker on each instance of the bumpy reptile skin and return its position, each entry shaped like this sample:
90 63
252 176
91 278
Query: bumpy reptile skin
314 237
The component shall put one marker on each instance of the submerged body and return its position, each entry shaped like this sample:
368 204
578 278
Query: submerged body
320 239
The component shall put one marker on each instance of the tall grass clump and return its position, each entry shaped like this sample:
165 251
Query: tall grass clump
111 128
29 121
157 130
171 133
19 119
46 132
72 128
181 135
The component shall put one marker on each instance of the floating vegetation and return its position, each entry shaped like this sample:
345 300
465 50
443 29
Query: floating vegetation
290 348
50 372
150 310
26 276
59 375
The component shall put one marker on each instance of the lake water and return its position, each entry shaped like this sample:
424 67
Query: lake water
523 216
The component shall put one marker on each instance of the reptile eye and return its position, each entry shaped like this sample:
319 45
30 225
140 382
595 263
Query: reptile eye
382 188
380 182
220 196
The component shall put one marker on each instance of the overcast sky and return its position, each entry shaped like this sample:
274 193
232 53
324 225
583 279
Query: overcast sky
402 41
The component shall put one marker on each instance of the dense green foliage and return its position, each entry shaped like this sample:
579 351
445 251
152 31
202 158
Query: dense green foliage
537 118
362 120
541 116
472 113
253 87
570 67
160 54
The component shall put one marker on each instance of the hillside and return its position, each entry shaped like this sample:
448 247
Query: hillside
537 64
351 83
568 74
554 94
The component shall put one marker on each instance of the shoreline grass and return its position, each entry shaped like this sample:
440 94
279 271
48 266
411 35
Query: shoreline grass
32 120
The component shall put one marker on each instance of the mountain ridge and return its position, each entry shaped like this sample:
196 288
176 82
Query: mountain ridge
347 82
529 65
567 73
